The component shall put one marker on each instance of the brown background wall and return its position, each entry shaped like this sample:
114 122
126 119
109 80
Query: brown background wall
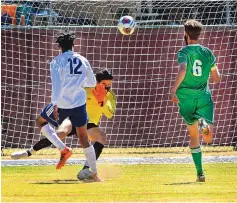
144 67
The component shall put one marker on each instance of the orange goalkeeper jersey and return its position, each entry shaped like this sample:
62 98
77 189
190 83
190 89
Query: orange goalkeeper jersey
95 111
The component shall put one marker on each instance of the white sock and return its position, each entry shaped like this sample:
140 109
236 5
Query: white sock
49 132
91 158
86 162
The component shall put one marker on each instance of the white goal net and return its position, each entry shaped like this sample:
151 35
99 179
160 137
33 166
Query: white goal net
143 64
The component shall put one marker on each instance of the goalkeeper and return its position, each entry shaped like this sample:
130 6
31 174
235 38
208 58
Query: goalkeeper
192 93
100 100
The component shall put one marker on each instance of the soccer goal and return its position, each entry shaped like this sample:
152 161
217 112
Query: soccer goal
143 64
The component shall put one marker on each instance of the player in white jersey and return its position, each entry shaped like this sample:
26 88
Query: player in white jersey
70 73
65 43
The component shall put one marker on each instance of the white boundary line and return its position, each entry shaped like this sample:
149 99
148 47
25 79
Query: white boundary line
123 160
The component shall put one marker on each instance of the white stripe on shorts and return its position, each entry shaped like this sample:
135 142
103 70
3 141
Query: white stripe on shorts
50 111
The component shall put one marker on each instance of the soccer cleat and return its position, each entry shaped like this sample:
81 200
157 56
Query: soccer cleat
201 177
84 174
19 155
65 154
204 127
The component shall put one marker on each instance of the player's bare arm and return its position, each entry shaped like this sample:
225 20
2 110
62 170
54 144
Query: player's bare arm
179 78
215 74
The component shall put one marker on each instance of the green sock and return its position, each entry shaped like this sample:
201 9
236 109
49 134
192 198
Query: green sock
197 158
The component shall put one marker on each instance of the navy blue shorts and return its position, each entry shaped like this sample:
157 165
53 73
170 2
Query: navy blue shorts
47 114
77 116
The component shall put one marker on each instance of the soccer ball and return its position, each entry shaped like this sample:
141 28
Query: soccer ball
126 25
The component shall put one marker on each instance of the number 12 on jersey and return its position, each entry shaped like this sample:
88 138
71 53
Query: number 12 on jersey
197 69
75 65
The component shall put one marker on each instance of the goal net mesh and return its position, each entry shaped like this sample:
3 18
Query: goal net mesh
144 66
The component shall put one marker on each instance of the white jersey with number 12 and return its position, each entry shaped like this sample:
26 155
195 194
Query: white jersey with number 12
70 73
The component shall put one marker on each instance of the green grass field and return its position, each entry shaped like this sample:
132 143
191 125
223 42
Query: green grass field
164 182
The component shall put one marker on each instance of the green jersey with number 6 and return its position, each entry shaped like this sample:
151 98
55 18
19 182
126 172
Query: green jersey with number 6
199 62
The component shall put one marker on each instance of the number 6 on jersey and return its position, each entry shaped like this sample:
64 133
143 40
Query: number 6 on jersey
197 69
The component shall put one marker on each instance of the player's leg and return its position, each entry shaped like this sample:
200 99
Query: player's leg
47 130
205 111
187 108
196 150
40 121
79 120
206 130
88 151
98 136
63 130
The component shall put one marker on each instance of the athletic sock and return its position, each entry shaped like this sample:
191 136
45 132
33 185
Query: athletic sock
49 132
197 159
98 150
41 144
91 158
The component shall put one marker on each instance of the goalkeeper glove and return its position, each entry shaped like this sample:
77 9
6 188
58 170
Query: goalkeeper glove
99 92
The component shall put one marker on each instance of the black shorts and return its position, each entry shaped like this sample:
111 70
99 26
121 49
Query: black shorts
89 126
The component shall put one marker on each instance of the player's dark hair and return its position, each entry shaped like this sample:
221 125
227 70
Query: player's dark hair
193 28
103 75
65 40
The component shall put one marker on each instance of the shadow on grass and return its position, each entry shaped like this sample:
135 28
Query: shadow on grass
183 183
70 181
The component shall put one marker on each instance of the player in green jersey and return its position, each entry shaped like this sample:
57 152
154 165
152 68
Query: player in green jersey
192 93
